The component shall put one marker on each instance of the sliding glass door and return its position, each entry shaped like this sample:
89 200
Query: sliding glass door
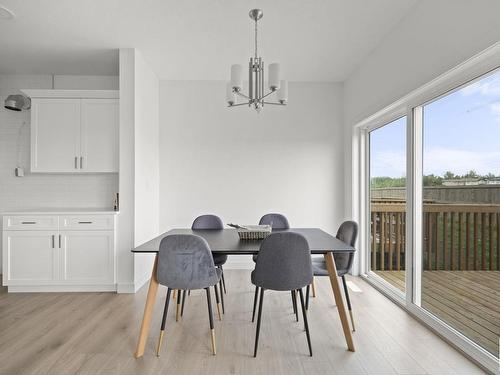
388 202
432 203
460 279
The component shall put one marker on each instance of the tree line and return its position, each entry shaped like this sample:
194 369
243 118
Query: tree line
428 180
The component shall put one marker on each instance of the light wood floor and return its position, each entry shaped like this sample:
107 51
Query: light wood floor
95 333
469 301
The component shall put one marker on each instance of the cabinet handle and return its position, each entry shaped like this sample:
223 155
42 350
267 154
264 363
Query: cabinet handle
59 241
53 241
84 222
76 162
81 162
28 222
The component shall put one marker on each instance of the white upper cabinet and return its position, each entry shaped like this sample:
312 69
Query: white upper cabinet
74 135
55 135
99 135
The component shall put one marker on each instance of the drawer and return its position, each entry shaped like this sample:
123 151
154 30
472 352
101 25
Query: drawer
31 222
87 222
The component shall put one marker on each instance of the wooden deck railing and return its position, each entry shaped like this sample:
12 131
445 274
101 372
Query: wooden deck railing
455 236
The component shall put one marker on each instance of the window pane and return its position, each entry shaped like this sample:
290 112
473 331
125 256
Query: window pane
461 211
388 202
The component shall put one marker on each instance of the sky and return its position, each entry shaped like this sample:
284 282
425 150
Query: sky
461 132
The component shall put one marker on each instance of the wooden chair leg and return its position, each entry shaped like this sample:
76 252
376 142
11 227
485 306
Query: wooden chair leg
163 322
217 301
222 296
348 299
306 324
259 316
174 294
313 286
183 302
211 321
255 302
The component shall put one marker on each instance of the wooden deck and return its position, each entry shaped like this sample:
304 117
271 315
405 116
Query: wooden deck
469 301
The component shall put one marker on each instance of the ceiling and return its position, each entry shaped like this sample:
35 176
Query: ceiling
314 40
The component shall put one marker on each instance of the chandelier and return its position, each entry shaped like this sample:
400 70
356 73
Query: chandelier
256 86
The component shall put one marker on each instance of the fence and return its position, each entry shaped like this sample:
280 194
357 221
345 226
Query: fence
455 236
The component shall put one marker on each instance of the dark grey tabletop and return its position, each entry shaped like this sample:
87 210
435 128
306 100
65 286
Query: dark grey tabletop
226 241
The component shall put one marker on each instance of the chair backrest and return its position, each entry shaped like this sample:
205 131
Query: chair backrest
185 262
207 222
348 233
276 221
284 262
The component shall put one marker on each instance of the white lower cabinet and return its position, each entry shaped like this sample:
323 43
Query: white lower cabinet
30 258
87 257
59 260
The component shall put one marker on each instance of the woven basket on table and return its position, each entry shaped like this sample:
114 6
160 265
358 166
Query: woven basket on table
254 232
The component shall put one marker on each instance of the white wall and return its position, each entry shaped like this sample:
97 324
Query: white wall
139 168
431 39
45 190
239 164
147 170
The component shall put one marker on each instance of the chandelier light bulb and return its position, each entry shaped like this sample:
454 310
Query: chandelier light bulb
283 92
274 76
237 77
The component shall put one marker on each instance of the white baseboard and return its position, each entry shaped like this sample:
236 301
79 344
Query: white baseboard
125 288
60 288
139 284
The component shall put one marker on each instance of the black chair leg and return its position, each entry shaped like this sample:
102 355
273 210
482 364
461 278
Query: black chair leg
183 302
255 302
178 307
259 316
163 321
211 320
294 303
307 297
189 292
306 325
222 296
223 281
346 291
217 300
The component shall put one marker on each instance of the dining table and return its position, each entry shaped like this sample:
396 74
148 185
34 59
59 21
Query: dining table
227 241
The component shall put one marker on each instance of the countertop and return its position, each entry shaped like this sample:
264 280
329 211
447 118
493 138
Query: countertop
61 211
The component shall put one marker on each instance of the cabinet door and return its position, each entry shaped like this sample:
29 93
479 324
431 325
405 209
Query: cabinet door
87 257
30 257
55 135
99 135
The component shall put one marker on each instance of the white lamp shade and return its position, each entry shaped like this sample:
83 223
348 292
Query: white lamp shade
237 77
230 95
274 76
283 91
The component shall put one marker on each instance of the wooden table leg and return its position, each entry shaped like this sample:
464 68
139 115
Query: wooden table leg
334 280
148 312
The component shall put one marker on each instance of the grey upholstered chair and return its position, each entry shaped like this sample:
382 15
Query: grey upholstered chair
185 262
348 233
276 221
284 264
210 222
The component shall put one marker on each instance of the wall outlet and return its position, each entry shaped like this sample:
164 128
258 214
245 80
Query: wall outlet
19 172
